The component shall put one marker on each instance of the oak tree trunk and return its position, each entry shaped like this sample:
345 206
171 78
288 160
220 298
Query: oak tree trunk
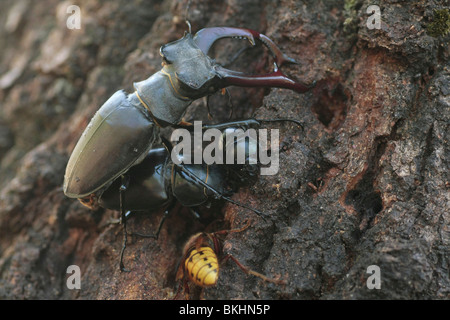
365 183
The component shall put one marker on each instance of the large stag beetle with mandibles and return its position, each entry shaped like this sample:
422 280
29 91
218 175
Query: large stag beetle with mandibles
124 129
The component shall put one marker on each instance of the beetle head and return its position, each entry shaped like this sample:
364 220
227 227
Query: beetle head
193 71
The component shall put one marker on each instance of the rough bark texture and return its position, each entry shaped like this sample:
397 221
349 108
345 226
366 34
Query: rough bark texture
365 183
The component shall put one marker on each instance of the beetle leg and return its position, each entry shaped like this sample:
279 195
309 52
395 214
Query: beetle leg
205 38
252 272
297 122
217 194
180 286
231 103
274 79
194 213
221 126
161 222
90 201
123 218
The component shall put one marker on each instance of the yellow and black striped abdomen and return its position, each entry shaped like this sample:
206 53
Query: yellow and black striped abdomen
203 267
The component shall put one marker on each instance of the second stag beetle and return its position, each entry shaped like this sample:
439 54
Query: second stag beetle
157 182
125 128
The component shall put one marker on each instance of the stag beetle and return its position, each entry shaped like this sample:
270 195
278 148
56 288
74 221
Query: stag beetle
124 129
202 257
157 182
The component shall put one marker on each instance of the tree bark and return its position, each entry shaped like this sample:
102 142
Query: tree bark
366 182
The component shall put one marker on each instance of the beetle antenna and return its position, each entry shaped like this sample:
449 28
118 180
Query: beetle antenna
186 16
210 117
189 25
